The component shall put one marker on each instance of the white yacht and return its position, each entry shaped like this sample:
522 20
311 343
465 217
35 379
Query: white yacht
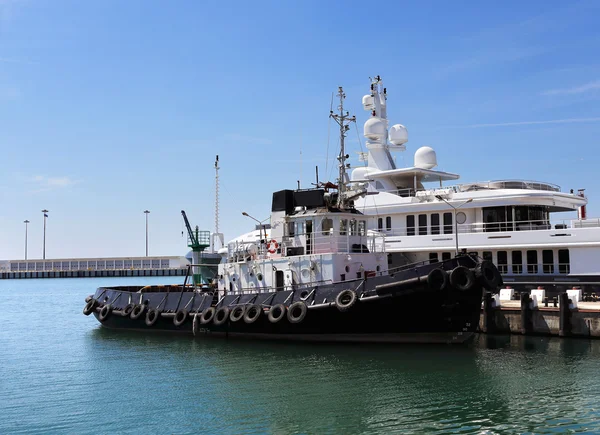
516 224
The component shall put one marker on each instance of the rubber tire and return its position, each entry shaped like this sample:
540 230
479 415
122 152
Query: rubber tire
437 280
207 315
105 312
273 318
128 309
487 274
237 313
152 316
461 278
89 298
180 317
293 309
342 302
90 307
137 311
220 319
248 317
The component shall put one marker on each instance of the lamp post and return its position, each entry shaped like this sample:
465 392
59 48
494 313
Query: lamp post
25 222
455 221
146 212
45 217
260 224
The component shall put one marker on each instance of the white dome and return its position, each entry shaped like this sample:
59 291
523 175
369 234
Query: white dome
425 158
375 128
398 134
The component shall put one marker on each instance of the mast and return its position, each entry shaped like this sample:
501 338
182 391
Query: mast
217 195
343 120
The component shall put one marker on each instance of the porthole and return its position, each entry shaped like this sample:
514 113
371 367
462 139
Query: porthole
259 276
461 218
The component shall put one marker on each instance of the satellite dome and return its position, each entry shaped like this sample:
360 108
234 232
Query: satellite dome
398 134
375 128
425 158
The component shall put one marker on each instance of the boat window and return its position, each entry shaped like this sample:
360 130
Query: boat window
290 228
343 227
564 262
517 262
446 256
433 257
497 219
327 226
353 226
435 223
487 255
502 261
362 228
299 227
388 223
410 225
532 261
422 224
380 224
447 223
548 261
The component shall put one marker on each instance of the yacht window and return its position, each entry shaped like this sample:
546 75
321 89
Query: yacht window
422 224
446 256
517 262
327 226
564 261
548 261
502 261
362 228
497 219
353 226
388 223
380 224
435 223
487 255
532 261
447 223
410 225
379 185
343 227
433 257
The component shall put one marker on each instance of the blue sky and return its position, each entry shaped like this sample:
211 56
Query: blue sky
108 108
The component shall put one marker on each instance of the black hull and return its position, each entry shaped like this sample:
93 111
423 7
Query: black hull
402 314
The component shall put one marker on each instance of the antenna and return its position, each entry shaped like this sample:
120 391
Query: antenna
216 197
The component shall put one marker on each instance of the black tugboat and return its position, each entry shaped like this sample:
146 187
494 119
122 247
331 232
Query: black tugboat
320 276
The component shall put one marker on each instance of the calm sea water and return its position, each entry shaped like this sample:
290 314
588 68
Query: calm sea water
61 373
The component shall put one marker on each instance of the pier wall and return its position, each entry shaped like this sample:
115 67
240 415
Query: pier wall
93 273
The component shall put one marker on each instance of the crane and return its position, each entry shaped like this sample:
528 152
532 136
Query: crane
198 241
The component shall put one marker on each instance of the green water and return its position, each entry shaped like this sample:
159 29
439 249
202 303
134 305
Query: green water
61 373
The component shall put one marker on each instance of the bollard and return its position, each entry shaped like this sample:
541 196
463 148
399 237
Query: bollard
489 318
565 315
526 322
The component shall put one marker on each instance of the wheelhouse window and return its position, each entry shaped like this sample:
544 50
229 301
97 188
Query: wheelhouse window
388 223
447 223
532 261
564 262
362 228
299 227
422 224
502 261
410 225
517 262
435 223
548 261
353 227
327 226
343 227
291 229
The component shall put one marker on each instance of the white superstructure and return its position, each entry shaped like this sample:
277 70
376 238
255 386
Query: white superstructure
514 223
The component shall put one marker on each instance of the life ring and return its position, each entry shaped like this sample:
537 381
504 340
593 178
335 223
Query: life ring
297 312
276 313
437 279
272 246
462 278
152 316
105 312
221 316
90 307
180 317
137 311
345 299
252 313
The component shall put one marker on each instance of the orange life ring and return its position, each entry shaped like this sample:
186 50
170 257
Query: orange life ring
272 246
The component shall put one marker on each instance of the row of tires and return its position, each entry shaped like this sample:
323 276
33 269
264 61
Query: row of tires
463 278
249 313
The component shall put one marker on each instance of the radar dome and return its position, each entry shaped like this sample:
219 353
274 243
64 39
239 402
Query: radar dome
398 134
375 128
425 158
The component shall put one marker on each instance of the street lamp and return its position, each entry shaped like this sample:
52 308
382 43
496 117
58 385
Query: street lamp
45 217
260 224
146 212
25 222
455 221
